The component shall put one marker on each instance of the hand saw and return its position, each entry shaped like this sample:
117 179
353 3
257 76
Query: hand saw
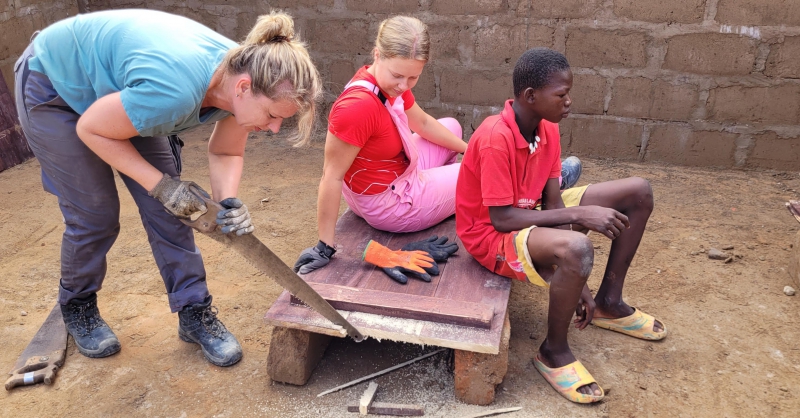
263 259
43 355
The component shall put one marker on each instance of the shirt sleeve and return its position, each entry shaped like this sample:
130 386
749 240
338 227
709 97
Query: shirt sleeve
354 118
408 99
495 176
156 100
553 132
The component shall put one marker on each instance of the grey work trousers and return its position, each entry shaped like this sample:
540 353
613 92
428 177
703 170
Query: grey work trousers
87 195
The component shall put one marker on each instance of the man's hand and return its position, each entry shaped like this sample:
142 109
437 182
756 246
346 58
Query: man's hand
314 257
177 198
235 217
606 221
585 310
399 264
436 247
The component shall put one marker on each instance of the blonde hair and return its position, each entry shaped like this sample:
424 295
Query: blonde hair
272 56
403 37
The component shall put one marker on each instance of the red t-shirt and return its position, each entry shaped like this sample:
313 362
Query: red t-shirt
499 170
359 118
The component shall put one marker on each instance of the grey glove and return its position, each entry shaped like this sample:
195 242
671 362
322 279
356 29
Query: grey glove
437 247
177 198
235 217
314 257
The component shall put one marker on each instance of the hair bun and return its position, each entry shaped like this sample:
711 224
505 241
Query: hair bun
275 27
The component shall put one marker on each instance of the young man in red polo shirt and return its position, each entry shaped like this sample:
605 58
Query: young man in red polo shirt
513 219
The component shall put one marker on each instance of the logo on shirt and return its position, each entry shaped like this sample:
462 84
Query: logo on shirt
526 203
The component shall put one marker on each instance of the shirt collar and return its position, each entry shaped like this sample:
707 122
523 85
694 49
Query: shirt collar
510 118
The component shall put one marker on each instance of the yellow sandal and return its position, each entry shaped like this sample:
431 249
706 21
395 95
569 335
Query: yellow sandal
567 379
638 324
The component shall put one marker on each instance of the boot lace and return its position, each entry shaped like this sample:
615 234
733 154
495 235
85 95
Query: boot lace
88 318
212 325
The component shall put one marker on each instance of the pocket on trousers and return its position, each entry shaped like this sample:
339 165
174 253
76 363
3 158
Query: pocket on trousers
176 144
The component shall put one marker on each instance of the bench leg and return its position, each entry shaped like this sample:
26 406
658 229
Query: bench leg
294 354
477 374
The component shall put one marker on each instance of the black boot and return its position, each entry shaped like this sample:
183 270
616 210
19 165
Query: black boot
92 335
198 324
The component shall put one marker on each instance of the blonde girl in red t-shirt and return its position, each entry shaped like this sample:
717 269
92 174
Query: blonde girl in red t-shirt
396 180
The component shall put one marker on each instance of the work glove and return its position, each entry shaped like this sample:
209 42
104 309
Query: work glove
235 217
314 257
177 198
436 247
399 264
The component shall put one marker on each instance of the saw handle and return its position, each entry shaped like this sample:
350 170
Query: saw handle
36 370
207 221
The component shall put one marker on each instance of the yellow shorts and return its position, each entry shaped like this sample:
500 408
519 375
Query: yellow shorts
513 258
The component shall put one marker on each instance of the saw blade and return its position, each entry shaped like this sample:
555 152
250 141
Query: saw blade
51 337
263 259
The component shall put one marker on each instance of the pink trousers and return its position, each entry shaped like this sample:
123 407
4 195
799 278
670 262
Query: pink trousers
421 197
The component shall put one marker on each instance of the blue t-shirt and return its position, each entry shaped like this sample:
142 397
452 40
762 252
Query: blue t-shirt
161 63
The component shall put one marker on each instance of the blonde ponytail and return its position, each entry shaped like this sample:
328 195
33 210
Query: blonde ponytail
273 56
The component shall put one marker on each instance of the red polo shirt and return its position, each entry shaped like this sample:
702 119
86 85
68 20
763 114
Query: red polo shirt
499 170
359 118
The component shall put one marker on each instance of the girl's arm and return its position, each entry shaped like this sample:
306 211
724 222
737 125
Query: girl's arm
430 129
339 156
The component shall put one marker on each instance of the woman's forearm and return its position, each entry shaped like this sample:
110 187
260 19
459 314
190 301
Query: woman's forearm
328 201
225 172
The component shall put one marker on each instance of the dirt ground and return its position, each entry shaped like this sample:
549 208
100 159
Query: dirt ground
732 348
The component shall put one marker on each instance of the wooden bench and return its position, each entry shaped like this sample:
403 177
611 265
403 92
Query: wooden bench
463 308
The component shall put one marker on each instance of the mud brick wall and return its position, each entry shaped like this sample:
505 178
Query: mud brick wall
686 82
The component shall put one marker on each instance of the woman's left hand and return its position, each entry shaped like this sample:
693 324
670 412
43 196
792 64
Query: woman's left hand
585 310
235 217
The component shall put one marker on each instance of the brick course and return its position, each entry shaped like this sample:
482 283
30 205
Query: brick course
602 48
719 54
683 11
682 146
637 63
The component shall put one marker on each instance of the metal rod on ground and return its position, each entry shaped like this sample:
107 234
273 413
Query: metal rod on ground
494 412
373 375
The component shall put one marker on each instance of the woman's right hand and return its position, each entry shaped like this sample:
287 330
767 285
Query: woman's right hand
606 221
179 197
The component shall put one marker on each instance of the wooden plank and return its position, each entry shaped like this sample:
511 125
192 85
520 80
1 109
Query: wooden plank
401 305
395 409
462 279
367 398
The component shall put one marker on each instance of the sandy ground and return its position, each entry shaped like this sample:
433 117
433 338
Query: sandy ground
732 348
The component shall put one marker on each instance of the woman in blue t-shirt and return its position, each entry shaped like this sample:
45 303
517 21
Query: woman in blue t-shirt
111 90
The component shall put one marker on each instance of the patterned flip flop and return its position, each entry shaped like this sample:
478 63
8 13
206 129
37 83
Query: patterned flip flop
638 324
567 379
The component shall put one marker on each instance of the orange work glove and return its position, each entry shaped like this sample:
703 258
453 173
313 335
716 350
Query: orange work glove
398 263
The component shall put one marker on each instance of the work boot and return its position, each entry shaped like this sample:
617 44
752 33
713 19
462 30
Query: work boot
93 337
198 324
571 169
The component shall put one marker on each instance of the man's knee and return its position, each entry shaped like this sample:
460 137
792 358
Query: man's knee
643 193
576 253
